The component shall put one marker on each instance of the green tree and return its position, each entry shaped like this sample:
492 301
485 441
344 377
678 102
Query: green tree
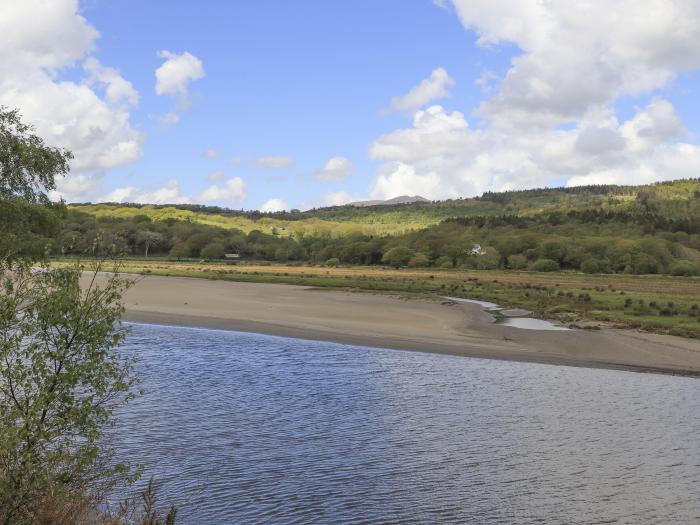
590 266
545 265
686 268
517 261
60 381
212 251
397 256
419 260
28 167
180 249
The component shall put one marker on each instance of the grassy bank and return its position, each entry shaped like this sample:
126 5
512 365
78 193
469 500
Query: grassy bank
659 304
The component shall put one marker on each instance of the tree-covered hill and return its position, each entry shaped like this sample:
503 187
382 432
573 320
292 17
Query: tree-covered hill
635 229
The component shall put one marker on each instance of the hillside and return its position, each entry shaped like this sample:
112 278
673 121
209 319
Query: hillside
635 229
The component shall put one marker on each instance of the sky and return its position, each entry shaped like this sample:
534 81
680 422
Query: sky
276 105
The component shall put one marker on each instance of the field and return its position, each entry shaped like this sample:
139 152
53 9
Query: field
659 304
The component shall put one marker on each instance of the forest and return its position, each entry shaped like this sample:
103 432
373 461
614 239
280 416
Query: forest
652 229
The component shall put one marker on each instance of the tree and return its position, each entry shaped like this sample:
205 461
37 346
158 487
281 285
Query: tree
180 249
419 260
215 250
60 380
149 238
590 266
397 256
28 167
517 261
545 265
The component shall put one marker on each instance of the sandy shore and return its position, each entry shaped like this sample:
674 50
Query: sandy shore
390 322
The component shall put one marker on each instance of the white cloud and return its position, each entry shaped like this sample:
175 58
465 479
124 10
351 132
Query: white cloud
336 168
432 88
173 78
175 74
38 41
274 205
167 194
76 187
552 115
232 192
275 162
442 157
337 198
117 89
211 154
579 54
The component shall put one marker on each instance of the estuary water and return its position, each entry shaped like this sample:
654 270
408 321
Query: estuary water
246 428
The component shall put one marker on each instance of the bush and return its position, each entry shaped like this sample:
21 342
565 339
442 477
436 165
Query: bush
179 250
590 266
333 261
686 268
645 264
214 250
397 256
419 260
444 262
545 265
517 262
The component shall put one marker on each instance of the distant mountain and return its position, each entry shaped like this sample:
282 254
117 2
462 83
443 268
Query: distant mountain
403 199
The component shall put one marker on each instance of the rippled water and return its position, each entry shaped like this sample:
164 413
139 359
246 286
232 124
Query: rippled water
244 428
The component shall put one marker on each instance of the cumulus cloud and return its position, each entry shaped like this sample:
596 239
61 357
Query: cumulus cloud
336 168
173 76
440 156
233 191
580 54
167 194
89 116
273 205
434 87
552 115
337 198
275 162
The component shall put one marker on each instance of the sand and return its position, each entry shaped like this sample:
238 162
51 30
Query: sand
385 321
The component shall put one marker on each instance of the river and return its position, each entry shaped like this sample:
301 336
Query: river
247 428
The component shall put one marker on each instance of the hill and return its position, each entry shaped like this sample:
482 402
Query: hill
634 229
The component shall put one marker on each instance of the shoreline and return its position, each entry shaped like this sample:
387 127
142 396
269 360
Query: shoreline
385 321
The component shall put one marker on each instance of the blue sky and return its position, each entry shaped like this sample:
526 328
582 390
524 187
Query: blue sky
527 102
308 80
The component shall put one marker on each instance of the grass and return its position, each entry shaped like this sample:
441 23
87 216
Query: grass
659 304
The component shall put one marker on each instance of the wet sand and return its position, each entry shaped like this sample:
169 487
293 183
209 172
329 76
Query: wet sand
390 322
